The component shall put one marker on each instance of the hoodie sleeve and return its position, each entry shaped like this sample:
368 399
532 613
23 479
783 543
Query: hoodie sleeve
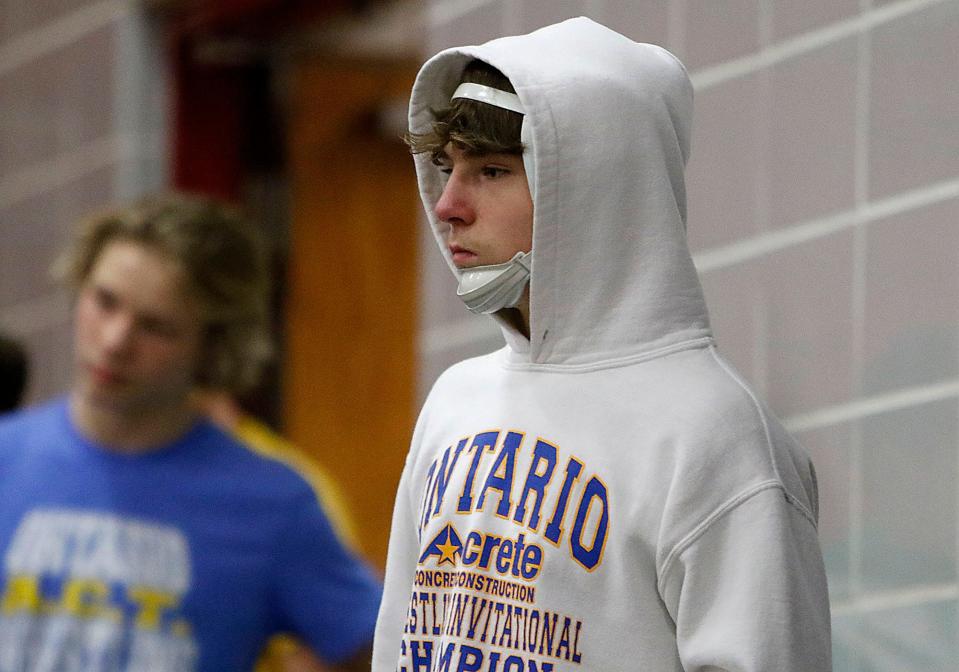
398 582
748 593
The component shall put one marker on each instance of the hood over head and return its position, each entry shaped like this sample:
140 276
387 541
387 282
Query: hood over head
606 131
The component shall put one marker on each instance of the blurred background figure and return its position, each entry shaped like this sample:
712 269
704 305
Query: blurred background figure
824 183
13 373
134 532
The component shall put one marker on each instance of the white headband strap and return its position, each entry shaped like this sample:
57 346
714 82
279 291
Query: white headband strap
489 95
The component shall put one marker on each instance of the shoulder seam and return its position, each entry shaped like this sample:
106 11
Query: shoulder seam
718 513
795 501
614 362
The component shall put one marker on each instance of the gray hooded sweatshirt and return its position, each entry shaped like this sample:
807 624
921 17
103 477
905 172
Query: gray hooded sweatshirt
607 494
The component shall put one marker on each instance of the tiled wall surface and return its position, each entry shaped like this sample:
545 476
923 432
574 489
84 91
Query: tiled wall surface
82 116
824 218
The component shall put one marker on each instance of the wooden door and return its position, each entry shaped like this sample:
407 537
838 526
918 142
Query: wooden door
349 362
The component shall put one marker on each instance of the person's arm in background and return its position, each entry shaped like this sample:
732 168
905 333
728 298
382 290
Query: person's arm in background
285 652
326 593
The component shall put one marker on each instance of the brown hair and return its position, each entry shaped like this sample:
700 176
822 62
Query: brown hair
477 128
224 260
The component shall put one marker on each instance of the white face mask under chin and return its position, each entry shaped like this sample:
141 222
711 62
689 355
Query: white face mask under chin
486 289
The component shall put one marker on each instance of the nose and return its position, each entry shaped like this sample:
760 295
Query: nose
116 335
455 206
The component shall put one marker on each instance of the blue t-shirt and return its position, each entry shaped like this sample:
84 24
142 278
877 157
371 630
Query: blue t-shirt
183 558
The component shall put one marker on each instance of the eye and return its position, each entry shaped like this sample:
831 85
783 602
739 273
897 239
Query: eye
442 164
158 327
493 172
105 299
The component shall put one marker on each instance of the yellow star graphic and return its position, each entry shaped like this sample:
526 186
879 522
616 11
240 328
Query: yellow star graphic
448 552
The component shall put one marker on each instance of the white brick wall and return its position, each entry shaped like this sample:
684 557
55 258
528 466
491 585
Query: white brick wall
82 124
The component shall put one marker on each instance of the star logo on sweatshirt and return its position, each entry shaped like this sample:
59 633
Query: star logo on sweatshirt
445 546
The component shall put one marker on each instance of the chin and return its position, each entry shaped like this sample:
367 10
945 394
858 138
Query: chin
476 263
102 398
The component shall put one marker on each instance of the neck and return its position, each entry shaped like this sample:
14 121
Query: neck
522 317
129 431
518 316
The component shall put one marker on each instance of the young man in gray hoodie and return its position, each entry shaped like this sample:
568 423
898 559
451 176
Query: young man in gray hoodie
605 492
